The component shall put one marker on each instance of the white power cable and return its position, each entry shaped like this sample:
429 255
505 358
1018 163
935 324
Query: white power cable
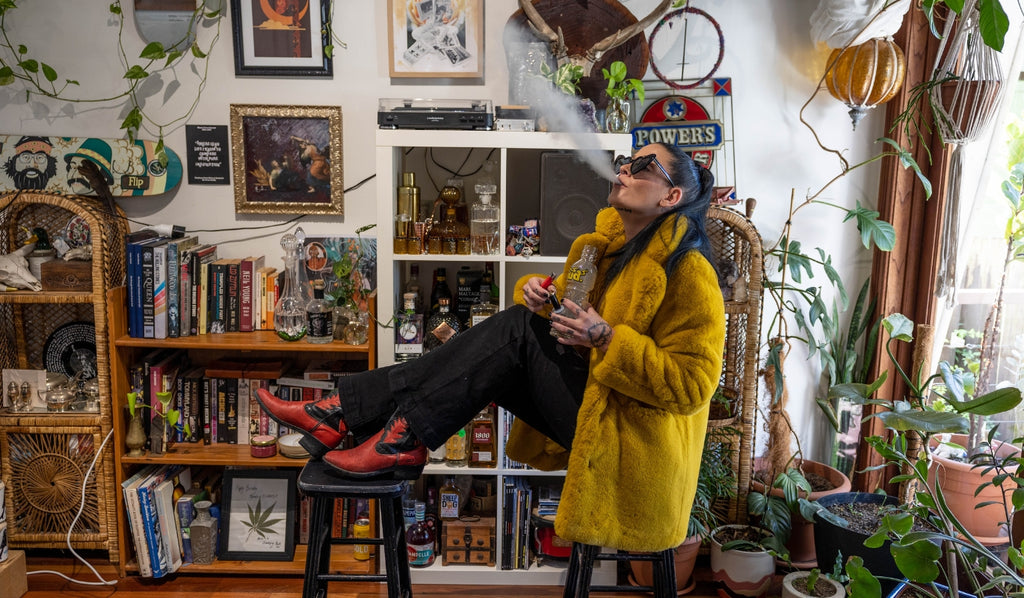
81 507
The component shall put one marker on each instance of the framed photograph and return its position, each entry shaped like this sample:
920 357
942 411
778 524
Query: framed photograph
287 159
258 515
436 38
281 38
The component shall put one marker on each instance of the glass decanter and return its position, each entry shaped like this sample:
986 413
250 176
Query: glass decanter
290 309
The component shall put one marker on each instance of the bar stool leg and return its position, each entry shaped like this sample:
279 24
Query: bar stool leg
669 557
396 561
572 575
318 557
586 569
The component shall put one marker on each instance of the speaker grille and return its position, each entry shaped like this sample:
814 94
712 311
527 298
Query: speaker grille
570 197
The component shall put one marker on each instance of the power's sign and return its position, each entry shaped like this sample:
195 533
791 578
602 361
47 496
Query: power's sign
688 135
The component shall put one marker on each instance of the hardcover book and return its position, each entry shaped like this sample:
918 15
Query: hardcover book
175 248
247 286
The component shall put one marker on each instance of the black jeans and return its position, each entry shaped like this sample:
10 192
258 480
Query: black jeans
509 359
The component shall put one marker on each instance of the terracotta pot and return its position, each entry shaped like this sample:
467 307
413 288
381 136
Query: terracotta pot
685 557
959 481
742 572
788 591
801 540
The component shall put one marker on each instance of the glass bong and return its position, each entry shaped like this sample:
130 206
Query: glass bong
290 308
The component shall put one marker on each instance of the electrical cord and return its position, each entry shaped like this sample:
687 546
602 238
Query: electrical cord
81 507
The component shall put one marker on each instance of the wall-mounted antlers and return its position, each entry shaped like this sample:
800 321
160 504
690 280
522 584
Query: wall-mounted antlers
594 53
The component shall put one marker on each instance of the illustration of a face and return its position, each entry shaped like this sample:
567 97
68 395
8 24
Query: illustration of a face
31 170
76 182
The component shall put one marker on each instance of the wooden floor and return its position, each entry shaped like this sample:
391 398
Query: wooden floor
206 586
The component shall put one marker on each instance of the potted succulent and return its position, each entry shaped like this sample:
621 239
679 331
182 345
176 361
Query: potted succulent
811 584
565 115
619 88
933 558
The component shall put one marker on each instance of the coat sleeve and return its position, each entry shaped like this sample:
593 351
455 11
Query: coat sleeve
675 365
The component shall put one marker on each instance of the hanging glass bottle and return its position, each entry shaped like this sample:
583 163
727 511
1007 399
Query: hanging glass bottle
290 309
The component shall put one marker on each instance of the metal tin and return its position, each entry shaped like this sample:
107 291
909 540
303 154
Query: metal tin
263 446
361 529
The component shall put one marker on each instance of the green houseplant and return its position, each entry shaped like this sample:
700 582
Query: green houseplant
930 559
618 90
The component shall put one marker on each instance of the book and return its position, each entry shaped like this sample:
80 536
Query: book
269 297
195 378
161 376
133 275
160 290
247 289
169 531
242 422
129 489
199 256
158 557
147 284
217 297
175 248
232 295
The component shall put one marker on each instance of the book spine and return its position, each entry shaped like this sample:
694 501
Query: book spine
233 294
195 400
129 256
185 514
173 291
245 290
156 422
222 402
204 298
160 291
257 300
242 436
182 406
194 293
208 399
146 291
219 297
185 294
231 407
149 521
255 413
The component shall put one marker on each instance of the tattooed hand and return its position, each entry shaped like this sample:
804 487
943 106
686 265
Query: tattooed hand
582 328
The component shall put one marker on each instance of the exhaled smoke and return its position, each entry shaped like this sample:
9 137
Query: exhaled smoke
560 111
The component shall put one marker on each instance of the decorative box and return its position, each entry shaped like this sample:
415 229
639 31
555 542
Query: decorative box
60 275
468 542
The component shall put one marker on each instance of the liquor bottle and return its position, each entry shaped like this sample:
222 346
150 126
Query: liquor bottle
441 327
409 330
456 449
450 500
319 317
420 540
454 234
437 455
431 518
406 240
479 312
440 289
413 286
482 446
580 281
483 223
434 236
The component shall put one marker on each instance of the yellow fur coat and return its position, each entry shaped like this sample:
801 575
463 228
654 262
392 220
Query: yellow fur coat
632 471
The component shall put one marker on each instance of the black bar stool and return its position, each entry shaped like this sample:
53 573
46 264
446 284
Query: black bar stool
581 568
318 481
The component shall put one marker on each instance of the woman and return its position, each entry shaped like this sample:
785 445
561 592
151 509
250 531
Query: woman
620 399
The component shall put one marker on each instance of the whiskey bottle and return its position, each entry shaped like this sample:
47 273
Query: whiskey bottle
409 330
456 450
482 446
450 500
479 312
439 290
319 317
413 286
419 539
483 224
441 327
579 281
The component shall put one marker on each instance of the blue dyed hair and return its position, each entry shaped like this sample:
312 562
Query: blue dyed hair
696 183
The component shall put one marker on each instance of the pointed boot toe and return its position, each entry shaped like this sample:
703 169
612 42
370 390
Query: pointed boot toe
392 452
321 422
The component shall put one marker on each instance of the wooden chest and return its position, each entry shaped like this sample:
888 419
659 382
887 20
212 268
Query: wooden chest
59 275
468 542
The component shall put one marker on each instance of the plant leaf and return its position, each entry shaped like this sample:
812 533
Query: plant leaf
993 23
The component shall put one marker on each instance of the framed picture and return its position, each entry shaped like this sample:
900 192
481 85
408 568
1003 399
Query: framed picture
436 38
258 515
287 159
281 38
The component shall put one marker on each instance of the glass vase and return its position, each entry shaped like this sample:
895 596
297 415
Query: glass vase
357 331
343 314
616 115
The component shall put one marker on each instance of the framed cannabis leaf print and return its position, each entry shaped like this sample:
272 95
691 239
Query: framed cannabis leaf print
258 515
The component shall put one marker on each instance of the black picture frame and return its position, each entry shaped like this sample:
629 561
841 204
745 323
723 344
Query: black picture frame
258 514
264 39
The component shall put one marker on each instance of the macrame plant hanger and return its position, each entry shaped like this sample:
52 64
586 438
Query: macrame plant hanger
964 99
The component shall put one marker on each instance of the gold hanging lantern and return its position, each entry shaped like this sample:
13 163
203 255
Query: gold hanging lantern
866 75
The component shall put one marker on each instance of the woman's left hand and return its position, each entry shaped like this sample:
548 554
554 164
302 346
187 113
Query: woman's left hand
584 328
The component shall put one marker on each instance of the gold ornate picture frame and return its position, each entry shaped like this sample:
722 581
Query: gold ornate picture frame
287 159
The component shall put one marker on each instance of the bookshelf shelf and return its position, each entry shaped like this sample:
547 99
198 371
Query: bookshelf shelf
202 349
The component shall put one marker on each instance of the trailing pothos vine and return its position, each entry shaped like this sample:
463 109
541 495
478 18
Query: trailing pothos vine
17 65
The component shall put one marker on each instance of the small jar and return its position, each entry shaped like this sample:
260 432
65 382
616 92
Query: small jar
264 445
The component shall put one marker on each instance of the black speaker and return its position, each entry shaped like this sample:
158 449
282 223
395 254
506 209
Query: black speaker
571 194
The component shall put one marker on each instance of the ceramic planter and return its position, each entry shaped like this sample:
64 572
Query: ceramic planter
685 559
742 572
790 591
801 539
959 481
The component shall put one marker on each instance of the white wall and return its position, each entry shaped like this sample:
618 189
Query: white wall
769 55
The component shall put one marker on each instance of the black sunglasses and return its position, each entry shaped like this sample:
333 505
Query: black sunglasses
640 164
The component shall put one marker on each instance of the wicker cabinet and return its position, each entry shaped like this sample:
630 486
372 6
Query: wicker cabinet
262 344
47 457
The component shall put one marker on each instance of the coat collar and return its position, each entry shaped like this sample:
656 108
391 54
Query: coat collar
609 226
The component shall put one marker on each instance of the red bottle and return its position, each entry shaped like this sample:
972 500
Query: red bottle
419 539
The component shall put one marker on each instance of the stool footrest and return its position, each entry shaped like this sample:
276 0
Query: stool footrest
352 577
625 556
622 588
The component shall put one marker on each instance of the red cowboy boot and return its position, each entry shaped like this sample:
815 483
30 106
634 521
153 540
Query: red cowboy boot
393 450
320 421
